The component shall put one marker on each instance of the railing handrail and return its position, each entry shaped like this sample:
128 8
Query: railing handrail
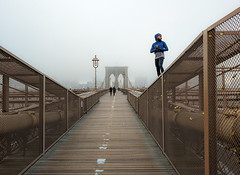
19 60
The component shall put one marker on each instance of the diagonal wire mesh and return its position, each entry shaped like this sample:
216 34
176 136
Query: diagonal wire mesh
19 130
155 110
184 112
227 55
55 112
143 107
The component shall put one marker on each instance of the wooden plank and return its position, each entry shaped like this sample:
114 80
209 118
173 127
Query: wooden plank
110 139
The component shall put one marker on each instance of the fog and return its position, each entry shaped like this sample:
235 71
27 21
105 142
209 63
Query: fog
60 37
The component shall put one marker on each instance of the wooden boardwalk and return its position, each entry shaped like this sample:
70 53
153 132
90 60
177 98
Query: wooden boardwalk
110 139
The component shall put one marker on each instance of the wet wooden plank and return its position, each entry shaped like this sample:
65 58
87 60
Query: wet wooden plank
110 139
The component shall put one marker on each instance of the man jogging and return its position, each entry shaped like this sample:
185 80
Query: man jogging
159 47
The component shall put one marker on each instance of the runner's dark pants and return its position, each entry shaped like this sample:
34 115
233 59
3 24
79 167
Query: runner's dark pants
158 64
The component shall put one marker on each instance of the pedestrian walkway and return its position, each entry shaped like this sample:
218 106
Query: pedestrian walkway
110 139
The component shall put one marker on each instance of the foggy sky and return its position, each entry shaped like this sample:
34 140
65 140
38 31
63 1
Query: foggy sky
60 37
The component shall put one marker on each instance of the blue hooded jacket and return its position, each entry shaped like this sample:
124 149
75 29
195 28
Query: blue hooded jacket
162 46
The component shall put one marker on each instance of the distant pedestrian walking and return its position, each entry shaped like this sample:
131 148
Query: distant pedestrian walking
114 91
159 47
110 90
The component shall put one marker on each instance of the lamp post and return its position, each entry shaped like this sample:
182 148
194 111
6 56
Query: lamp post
95 65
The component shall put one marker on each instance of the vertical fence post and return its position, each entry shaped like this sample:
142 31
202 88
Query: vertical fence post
66 109
137 105
26 95
209 68
79 108
82 106
42 114
200 96
164 111
147 109
5 96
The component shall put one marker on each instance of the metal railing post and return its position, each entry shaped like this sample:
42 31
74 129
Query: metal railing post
66 109
79 108
5 96
209 70
42 114
26 95
147 109
164 103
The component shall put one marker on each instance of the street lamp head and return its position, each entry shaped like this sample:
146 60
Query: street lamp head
95 61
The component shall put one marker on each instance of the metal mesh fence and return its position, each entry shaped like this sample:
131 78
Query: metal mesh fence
55 112
155 110
226 47
16 94
132 97
200 95
35 113
73 108
19 125
143 107
1 93
184 142
89 99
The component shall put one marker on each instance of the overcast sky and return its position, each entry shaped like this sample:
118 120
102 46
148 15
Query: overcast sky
60 37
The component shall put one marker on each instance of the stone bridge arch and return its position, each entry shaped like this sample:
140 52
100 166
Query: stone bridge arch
116 71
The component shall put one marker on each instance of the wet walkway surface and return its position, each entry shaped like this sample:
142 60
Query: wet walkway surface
109 139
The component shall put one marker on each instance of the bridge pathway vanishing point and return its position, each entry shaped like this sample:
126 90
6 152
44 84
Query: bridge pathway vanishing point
110 139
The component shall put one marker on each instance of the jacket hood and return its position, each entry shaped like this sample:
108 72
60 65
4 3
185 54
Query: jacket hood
158 34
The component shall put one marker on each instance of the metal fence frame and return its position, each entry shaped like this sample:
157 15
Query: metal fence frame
83 102
205 41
